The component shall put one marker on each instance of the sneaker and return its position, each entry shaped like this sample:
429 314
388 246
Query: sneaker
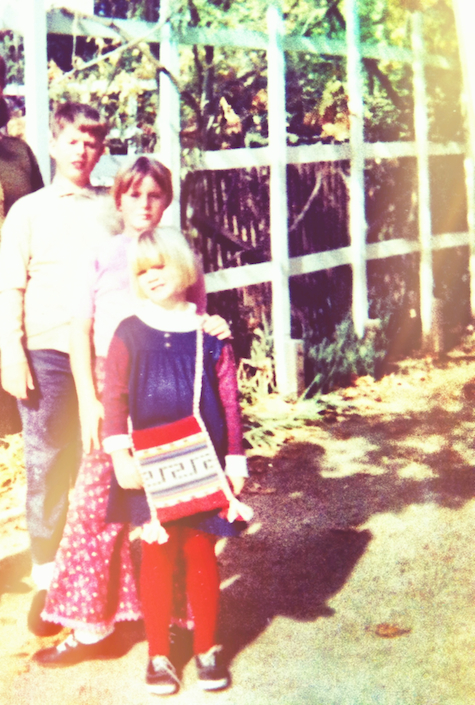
161 677
212 673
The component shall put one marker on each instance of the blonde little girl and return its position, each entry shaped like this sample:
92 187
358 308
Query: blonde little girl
150 372
93 584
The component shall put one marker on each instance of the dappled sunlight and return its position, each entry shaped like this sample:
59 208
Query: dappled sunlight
427 443
401 442
229 581
416 471
344 459
220 546
253 528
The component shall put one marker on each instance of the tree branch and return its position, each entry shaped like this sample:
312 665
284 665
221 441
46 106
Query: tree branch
311 198
129 43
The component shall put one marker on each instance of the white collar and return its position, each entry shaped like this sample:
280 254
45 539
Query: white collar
64 187
168 320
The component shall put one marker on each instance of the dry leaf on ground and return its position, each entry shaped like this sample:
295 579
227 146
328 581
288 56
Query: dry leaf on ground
388 631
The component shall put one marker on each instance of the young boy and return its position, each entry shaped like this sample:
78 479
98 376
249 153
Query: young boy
45 237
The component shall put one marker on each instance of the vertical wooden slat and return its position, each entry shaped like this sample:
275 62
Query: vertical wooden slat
278 202
469 165
169 114
36 83
212 182
221 197
421 128
207 204
253 194
356 187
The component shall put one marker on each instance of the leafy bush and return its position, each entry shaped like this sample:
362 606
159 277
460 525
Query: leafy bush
256 373
266 427
346 356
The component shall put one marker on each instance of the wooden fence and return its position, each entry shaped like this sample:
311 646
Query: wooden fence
279 265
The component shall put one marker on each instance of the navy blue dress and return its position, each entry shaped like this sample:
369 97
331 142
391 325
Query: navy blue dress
158 368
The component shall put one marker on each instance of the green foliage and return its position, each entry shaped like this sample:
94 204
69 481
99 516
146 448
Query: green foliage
256 373
312 18
266 428
264 418
221 14
123 85
12 50
224 90
346 356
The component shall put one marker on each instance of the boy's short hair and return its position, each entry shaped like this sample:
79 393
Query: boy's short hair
163 246
136 171
84 117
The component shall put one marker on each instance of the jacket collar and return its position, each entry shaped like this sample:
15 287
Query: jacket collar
64 187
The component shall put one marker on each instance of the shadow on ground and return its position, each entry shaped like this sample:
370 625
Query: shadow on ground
307 537
293 578
13 569
9 416
309 542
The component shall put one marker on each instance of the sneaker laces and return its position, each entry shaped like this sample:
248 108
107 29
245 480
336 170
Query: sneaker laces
161 663
208 659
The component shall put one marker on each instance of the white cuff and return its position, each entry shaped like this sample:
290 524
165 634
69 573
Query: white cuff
42 574
112 443
236 466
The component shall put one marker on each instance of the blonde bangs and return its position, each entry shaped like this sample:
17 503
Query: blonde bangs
148 256
166 246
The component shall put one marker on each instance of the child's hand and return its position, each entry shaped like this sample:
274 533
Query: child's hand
91 415
237 483
217 326
126 471
17 379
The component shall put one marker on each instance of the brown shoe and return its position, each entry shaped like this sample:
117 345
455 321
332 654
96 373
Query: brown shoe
68 653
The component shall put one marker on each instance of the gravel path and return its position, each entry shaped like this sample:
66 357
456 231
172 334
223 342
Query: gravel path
354 584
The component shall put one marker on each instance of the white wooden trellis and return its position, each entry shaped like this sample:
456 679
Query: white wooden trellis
169 115
278 154
357 218
36 83
465 19
277 121
421 129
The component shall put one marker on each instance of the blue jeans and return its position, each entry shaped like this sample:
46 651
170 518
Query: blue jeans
52 449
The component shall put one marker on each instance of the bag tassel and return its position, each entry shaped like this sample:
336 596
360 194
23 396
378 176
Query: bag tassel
239 510
154 532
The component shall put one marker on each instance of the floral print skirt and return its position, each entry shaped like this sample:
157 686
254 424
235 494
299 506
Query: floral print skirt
93 584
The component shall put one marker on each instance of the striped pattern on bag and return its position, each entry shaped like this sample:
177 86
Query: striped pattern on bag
180 469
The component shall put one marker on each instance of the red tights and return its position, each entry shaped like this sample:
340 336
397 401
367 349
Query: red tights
202 587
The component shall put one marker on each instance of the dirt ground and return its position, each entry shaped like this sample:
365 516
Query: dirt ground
354 584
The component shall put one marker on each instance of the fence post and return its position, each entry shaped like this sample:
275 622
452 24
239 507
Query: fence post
285 376
36 84
169 114
357 216
421 129
469 165
464 11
